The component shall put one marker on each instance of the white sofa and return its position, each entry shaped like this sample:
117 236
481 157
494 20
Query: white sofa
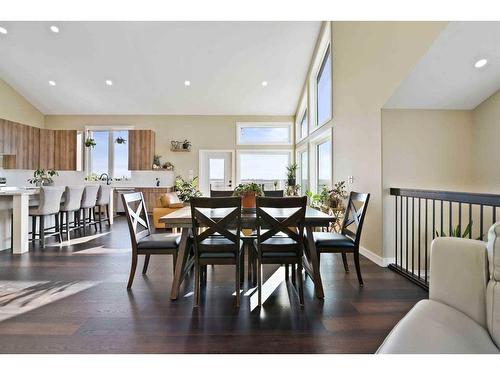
462 314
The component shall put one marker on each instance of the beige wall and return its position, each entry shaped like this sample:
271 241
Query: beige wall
370 59
205 132
486 146
15 107
426 149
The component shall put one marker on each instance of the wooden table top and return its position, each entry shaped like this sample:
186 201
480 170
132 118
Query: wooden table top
182 217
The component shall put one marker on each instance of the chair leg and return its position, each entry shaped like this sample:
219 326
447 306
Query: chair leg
242 267
58 227
132 271
358 268
67 226
237 282
42 231
107 215
84 214
196 301
254 266
294 281
287 272
259 282
100 218
344 260
92 215
146 264
301 284
33 228
174 259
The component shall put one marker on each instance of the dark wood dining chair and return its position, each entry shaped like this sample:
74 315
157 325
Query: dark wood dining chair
280 241
274 193
347 241
221 193
216 240
143 241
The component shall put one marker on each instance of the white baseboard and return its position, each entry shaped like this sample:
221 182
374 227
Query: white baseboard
377 259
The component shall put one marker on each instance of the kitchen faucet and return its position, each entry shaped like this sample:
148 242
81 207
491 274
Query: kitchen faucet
108 179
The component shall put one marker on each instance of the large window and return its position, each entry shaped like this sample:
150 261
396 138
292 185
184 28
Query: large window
323 164
110 154
303 162
304 125
324 90
263 134
263 167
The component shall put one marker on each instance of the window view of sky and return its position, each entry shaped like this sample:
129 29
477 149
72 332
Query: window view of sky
99 159
324 164
324 91
303 125
120 155
304 181
256 166
264 135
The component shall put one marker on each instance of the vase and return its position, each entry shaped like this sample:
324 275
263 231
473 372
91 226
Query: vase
248 200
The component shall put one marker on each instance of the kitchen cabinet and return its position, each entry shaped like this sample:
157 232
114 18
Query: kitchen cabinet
7 137
65 150
26 148
47 149
141 149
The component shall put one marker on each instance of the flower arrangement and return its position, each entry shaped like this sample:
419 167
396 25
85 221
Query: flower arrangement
43 177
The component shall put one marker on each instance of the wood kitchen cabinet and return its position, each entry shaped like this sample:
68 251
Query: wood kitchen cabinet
8 135
65 150
47 149
26 148
141 149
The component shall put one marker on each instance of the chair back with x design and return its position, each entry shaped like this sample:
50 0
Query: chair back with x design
281 215
216 223
137 217
354 217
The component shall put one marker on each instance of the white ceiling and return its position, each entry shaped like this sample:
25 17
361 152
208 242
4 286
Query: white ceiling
445 77
148 63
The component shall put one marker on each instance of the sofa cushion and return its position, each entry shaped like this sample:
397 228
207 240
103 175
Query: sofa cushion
170 200
432 327
493 289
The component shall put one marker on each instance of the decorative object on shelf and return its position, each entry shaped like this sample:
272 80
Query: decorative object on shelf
187 189
168 166
90 142
157 161
180 146
92 178
157 181
275 185
291 172
120 140
248 192
42 177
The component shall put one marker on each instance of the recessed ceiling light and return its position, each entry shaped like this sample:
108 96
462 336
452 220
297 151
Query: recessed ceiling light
3 30
54 29
109 82
481 63
187 83
52 83
264 83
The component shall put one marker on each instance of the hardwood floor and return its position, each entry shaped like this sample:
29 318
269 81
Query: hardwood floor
73 299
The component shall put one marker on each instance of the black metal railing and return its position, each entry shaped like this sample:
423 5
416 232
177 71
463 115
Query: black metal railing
422 215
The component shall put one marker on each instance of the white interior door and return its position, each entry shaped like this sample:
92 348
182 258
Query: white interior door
216 170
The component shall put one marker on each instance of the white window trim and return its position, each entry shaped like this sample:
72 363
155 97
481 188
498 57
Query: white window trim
88 154
313 156
240 125
324 44
259 151
298 118
298 151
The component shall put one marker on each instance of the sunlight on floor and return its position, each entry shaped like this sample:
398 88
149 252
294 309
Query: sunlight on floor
78 240
268 287
18 297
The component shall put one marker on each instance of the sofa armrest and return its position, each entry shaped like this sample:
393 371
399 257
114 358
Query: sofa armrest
459 274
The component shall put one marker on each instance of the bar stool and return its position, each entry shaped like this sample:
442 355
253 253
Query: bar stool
89 200
49 203
103 198
72 201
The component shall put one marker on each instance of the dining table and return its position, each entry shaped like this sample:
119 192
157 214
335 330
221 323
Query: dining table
181 219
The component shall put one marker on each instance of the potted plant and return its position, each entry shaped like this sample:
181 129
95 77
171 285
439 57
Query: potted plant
43 177
186 145
338 194
187 189
120 140
156 161
291 172
314 199
90 142
248 192
168 166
